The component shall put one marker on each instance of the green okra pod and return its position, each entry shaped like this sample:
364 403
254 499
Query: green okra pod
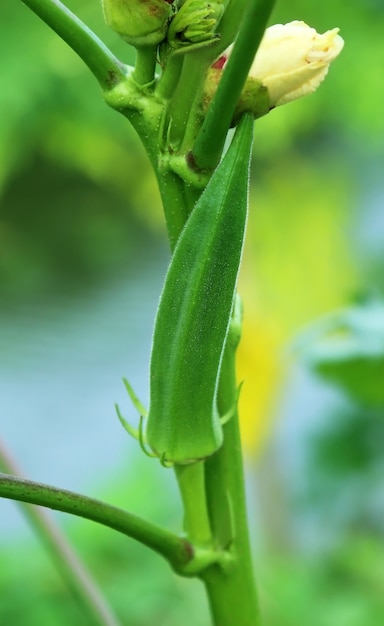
194 313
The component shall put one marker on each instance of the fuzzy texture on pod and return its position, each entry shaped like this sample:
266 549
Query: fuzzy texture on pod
194 313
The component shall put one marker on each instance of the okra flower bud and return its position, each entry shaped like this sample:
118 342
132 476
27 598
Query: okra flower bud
292 61
139 22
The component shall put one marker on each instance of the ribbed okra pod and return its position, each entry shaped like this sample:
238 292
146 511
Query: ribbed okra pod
194 313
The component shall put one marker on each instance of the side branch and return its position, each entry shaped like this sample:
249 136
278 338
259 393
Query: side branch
106 68
176 550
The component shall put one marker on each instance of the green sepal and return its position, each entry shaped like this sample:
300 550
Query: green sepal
195 308
254 97
135 433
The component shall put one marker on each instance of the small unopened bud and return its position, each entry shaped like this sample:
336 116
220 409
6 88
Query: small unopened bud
195 23
139 22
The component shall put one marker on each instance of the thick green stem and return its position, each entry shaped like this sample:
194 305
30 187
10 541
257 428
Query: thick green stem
146 112
176 550
106 68
209 143
77 577
172 190
232 593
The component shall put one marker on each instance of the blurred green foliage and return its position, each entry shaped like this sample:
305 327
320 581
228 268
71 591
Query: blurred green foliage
73 209
344 586
68 165
347 348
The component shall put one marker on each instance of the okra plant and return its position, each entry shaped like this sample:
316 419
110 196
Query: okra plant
202 69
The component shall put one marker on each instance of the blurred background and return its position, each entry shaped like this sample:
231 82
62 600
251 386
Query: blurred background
83 253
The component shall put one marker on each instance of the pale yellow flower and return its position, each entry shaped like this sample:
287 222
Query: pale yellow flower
293 59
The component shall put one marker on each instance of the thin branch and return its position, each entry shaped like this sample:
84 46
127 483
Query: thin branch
106 68
71 567
176 550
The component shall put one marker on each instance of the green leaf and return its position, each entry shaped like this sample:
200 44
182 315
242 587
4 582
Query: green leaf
347 349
